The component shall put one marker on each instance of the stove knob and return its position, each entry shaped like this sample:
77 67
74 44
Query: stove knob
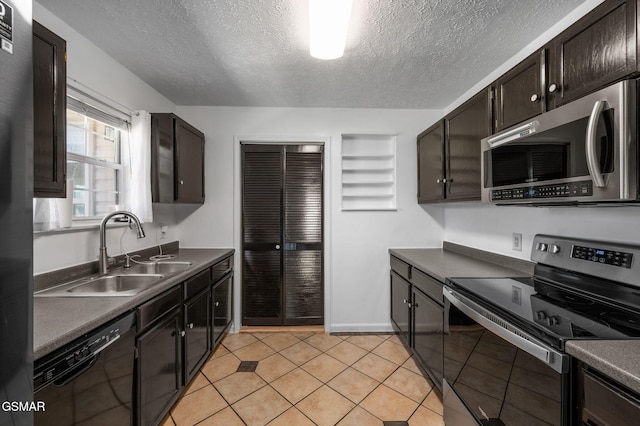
541 315
554 249
551 321
541 247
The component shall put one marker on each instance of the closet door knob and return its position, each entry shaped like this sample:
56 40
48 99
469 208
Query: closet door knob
534 97
553 87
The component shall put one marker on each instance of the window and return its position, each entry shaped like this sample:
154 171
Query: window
94 153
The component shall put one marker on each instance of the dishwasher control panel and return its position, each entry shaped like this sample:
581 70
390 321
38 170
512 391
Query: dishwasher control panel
60 366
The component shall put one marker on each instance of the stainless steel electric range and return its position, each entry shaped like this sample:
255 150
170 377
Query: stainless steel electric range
504 338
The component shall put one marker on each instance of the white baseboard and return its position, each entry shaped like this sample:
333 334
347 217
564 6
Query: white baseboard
360 328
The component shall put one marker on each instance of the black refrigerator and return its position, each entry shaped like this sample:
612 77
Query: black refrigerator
16 205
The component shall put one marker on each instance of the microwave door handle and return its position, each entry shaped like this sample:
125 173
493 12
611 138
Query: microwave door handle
590 145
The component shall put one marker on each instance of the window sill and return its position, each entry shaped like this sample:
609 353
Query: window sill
78 226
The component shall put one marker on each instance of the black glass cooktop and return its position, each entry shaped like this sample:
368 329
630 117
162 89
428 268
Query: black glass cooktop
553 310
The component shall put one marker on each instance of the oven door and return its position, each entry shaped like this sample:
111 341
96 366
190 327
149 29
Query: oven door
496 374
584 151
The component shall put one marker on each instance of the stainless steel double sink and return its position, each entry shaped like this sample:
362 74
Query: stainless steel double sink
122 282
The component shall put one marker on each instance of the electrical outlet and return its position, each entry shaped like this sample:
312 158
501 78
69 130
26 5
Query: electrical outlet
516 241
163 231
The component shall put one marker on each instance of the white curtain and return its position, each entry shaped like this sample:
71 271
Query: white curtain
53 213
138 185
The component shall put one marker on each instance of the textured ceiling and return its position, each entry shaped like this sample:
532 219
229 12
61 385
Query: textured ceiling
399 54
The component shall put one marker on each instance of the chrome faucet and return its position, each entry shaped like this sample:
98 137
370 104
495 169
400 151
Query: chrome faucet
103 257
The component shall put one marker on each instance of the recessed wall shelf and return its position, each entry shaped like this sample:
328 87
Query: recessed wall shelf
368 172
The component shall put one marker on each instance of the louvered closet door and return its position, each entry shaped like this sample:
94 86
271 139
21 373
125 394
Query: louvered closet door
303 265
282 282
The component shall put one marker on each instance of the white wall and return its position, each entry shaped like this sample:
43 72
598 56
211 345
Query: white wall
357 259
94 68
490 227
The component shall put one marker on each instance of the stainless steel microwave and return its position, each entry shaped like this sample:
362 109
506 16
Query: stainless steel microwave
582 152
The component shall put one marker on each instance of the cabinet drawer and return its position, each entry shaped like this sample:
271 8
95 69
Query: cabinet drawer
221 269
403 269
197 283
606 405
429 286
157 307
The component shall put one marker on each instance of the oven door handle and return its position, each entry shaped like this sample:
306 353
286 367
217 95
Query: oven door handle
552 358
590 144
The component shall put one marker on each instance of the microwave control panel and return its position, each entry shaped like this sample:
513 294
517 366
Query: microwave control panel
564 190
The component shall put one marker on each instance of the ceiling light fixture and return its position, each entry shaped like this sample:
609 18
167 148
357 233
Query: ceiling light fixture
328 24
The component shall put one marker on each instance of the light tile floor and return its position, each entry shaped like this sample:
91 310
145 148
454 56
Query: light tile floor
306 378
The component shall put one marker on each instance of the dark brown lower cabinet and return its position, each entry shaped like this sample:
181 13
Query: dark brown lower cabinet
400 306
197 332
602 402
222 307
427 334
417 315
158 367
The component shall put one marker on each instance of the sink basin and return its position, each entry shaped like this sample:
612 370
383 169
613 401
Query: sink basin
117 284
161 267
103 286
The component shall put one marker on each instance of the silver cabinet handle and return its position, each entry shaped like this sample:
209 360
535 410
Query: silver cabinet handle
190 325
182 333
277 246
216 304
404 301
553 87
441 180
534 97
181 182
590 144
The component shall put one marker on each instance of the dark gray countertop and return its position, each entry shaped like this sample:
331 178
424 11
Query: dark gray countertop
458 261
617 359
60 320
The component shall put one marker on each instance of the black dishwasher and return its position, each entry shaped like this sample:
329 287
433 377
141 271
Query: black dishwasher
90 380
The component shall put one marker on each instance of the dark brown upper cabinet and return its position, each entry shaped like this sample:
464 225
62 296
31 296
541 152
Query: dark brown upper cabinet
449 153
464 128
596 51
177 160
431 164
520 93
49 113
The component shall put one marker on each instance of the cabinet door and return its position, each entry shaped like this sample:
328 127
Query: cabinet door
158 366
162 158
427 335
49 113
401 305
189 163
520 92
222 308
598 50
197 332
465 127
431 164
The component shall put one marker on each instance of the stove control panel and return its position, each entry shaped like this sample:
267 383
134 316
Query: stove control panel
608 257
603 259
